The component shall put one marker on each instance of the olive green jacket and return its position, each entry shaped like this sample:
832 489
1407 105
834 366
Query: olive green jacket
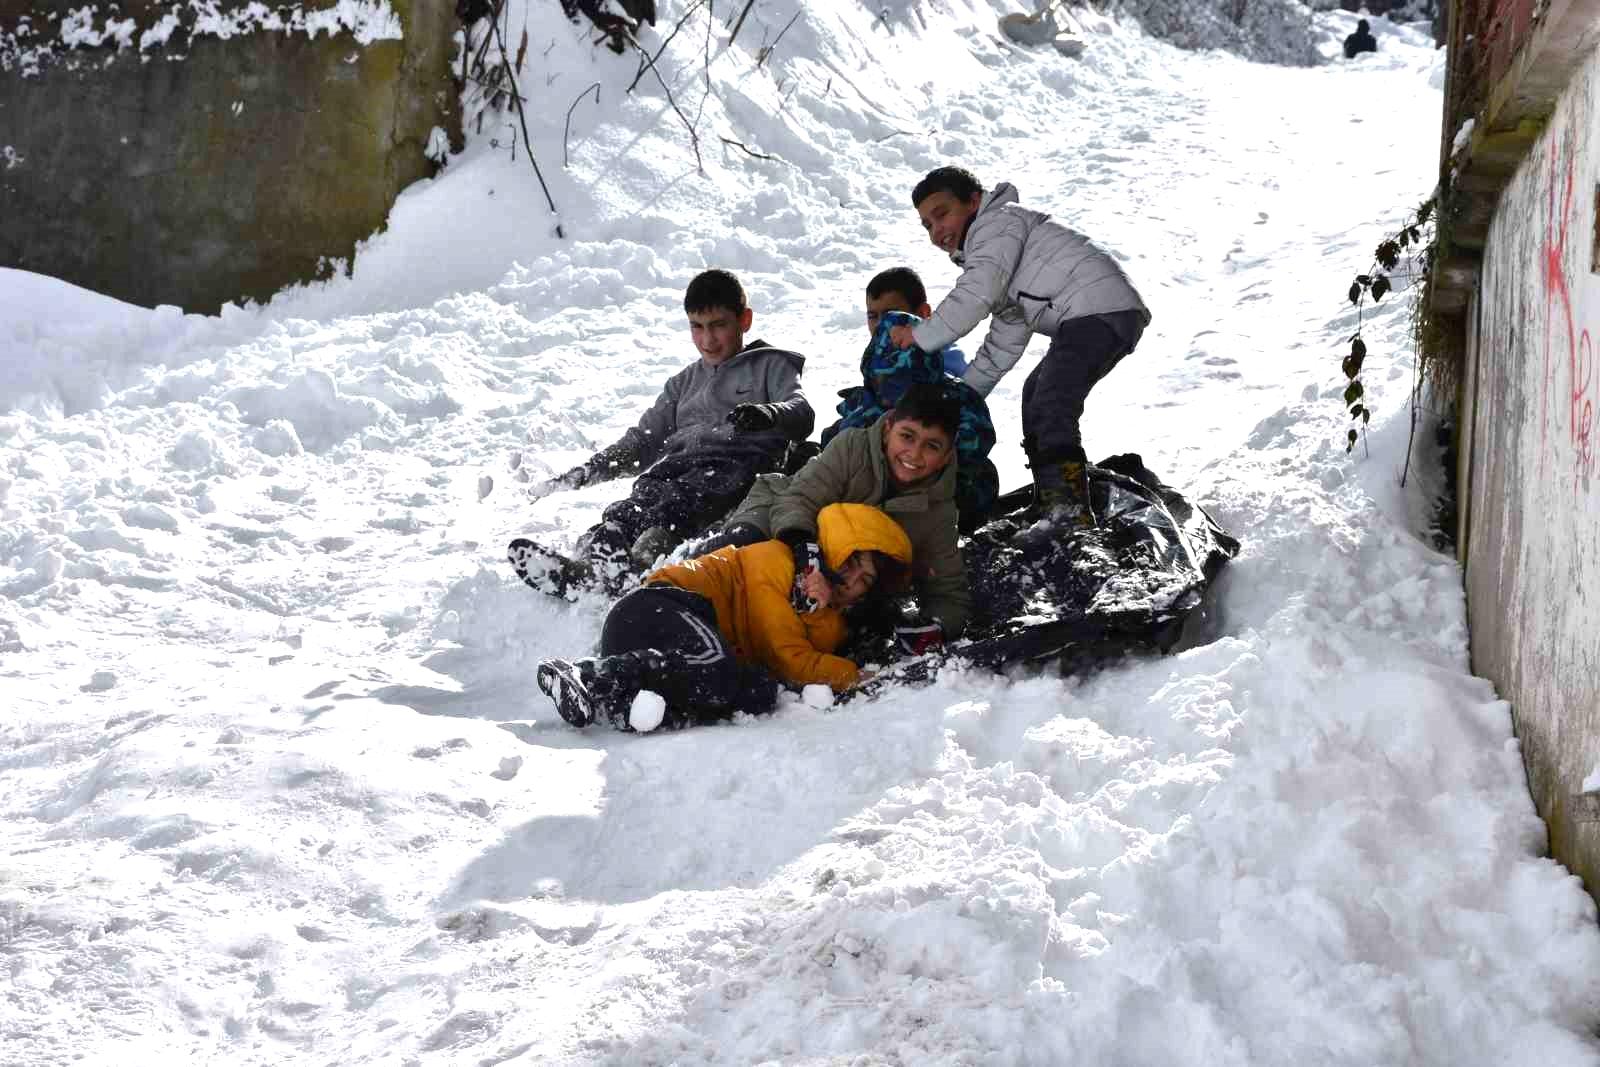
853 470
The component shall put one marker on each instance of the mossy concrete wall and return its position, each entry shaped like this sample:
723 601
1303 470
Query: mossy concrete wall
207 170
1531 483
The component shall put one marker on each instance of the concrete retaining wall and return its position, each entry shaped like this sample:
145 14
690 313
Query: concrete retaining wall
1532 550
201 169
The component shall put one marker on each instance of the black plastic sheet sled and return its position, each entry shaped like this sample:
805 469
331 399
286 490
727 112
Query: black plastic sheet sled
1046 593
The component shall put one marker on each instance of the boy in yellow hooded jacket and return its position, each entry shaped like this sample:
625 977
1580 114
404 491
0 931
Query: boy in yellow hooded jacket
718 634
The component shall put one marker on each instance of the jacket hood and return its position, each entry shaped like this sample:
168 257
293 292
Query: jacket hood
995 199
843 529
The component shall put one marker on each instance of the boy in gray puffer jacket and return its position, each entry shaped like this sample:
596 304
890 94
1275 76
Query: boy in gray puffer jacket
1033 275
727 417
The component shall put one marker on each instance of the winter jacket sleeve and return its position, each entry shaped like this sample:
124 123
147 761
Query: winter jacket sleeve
819 483
1008 338
987 267
790 409
795 649
641 445
942 573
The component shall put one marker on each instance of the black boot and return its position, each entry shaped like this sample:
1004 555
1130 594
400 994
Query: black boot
570 686
605 550
587 691
1061 489
547 570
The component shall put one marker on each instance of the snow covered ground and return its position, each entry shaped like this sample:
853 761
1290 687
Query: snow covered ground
277 785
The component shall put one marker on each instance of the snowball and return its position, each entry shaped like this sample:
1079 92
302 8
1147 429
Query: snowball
99 682
195 450
278 438
817 696
647 711
150 517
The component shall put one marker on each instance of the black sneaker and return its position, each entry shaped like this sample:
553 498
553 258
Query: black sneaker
565 683
545 570
608 564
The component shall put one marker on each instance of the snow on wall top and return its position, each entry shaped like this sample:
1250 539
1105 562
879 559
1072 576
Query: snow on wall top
36 43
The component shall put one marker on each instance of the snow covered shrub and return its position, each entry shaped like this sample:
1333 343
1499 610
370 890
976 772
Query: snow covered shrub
1265 31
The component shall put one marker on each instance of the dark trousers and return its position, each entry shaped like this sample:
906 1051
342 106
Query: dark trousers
686 493
665 639
1083 351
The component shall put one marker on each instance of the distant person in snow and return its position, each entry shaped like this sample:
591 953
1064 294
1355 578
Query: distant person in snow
1360 41
729 416
905 463
1032 275
720 633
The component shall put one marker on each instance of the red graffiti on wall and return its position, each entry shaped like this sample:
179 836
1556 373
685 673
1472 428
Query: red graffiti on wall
1580 351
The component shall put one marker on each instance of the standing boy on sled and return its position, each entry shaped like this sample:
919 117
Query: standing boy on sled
727 417
1033 275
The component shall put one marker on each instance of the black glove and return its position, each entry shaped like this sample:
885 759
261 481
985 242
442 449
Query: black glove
576 478
753 418
919 638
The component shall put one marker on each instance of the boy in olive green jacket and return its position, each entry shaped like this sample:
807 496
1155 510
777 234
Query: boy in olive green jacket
905 464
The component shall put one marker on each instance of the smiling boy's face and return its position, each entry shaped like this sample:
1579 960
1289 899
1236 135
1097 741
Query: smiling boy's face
945 217
891 300
915 452
718 333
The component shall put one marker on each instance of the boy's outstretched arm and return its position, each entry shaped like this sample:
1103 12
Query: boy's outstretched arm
986 273
1008 338
642 444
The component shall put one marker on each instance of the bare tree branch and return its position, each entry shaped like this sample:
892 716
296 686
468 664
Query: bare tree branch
690 11
527 142
565 162
750 151
711 20
766 50
740 21
694 138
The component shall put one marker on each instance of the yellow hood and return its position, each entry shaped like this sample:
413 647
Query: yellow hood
843 529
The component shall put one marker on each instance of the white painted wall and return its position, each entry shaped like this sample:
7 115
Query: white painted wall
1533 529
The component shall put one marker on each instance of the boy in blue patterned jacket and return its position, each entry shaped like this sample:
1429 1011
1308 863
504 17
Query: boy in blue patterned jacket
896 298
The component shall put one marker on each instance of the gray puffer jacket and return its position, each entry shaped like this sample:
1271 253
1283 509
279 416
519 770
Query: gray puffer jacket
1032 274
692 411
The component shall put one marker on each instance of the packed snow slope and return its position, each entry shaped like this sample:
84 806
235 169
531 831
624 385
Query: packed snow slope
278 788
